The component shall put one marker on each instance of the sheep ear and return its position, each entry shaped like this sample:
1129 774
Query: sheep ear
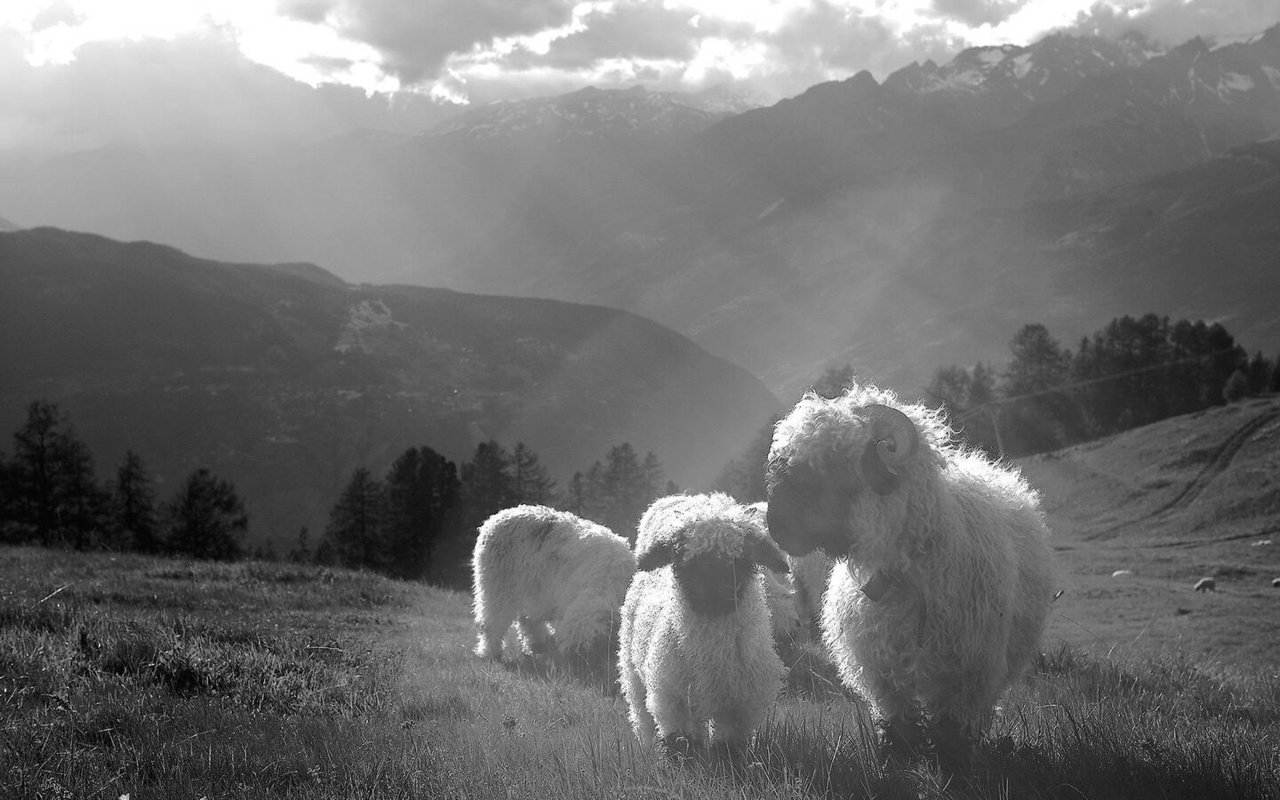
876 474
659 555
764 550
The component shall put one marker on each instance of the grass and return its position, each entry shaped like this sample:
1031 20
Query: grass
152 678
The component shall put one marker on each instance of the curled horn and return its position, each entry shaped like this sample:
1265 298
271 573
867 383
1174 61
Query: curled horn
894 439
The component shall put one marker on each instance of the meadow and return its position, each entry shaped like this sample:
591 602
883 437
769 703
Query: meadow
152 678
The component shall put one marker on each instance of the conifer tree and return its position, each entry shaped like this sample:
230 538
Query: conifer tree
206 518
354 532
134 505
530 481
422 491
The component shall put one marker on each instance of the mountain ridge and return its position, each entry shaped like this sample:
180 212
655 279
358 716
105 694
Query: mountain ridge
283 378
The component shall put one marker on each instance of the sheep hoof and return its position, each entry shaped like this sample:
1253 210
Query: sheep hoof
902 739
956 748
675 747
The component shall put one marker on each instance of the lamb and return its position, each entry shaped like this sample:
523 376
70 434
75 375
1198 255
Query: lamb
538 565
1206 585
943 580
695 643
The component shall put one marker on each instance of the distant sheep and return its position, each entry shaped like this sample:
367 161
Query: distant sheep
696 645
943 580
538 566
1206 585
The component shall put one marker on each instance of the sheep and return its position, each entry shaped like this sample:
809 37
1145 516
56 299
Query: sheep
537 565
695 642
1206 585
780 595
943 578
1275 583
809 576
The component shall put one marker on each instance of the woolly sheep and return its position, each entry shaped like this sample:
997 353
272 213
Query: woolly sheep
944 580
696 646
1206 585
782 595
809 576
537 565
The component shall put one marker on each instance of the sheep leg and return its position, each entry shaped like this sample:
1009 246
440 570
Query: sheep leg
534 635
732 729
642 721
493 626
674 717
956 745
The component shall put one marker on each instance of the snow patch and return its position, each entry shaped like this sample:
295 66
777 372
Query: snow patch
1021 65
1234 82
1273 75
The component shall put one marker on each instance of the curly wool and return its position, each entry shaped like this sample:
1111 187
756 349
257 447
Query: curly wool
963 560
681 670
539 566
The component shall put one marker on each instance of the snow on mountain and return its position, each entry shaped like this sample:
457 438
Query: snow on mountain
589 112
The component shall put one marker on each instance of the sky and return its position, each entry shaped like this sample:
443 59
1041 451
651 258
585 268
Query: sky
382 63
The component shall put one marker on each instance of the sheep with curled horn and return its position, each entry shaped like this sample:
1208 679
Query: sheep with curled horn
943 578
697 659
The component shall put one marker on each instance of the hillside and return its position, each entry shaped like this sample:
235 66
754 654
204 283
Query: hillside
898 225
283 378
1185 498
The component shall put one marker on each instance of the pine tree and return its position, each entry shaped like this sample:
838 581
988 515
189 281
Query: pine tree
58 497
134 505
1237 387
1041 417
206 518
354 532
530 481
487 484
422 491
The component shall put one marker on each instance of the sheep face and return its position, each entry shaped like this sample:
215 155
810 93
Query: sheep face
713 561
712 584
812 494
809 505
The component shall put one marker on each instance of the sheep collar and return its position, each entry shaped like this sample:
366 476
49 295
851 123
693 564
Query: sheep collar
882 580
885 581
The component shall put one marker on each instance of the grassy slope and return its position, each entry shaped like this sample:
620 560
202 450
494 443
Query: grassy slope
1189 497
128 674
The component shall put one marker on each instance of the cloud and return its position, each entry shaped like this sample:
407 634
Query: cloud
416 37
1175 21
190 91
976 13
641 31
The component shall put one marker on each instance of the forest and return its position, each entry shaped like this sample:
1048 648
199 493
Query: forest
418 520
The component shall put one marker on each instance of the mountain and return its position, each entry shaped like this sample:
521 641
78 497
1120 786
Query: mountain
283 378
897 225
6 226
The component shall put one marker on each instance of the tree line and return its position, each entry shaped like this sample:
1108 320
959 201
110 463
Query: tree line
50 495
416 521
1132 372
419 520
